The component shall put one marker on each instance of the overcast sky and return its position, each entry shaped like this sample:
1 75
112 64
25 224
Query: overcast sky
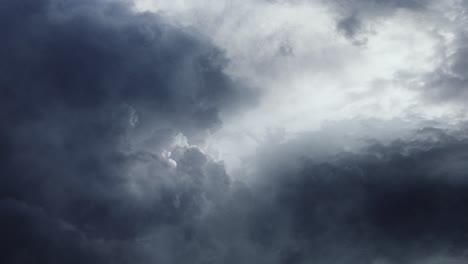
223 131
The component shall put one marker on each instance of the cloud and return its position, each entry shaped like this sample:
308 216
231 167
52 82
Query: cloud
30 236
108 115
447 83
86 87
401 202
309 72
371 11
443 83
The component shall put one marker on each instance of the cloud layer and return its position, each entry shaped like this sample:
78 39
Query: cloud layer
197 134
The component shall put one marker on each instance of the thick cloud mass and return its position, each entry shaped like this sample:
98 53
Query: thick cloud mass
398 202
106 114
82 83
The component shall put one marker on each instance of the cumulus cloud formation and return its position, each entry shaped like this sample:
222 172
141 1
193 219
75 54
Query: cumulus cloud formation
94 98
233 132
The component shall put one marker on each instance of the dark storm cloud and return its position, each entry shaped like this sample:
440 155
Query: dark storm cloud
404 201
86 54
400 203
77 79
30 236
93 96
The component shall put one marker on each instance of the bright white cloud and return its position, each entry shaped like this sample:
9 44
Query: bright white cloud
308 71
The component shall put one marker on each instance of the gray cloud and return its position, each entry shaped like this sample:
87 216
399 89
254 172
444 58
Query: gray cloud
400 202
357 16
94 101
448 82
82 84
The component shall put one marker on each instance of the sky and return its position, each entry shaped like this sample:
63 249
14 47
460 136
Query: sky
253 131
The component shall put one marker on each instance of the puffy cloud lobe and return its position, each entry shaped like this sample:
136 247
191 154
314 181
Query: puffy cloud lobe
402 202
85 220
